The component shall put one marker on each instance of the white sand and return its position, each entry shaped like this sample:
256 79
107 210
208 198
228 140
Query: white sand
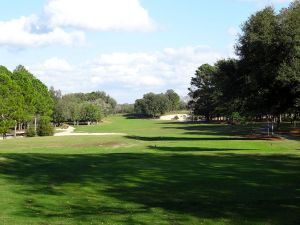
181 117
70 132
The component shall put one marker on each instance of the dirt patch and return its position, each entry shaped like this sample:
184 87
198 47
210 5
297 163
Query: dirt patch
112 144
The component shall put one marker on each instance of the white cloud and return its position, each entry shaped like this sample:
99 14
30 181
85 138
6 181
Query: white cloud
130 73
25 32
55 64
101 15
61 20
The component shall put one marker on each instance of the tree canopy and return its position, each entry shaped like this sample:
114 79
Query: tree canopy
264 80
155 105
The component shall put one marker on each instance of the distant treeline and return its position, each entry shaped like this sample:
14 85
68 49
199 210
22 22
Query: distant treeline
81 107
155 105
265 81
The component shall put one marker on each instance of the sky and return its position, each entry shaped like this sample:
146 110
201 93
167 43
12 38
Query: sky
123 47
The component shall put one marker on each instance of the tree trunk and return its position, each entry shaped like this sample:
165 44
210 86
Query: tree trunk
15 134
35 124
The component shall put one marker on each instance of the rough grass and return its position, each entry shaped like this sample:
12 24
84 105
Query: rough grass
160 173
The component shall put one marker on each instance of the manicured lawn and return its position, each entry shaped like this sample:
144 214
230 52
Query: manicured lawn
159 173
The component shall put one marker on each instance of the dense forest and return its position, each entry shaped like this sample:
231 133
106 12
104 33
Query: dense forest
264 82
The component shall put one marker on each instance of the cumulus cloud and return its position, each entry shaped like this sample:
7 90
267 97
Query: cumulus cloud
101 15
130 73
55 64
25 32
64 22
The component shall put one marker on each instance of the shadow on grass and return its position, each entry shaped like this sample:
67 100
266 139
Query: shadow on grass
254 188
211 129
195 149
164 138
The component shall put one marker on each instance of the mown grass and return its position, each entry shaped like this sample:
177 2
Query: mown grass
159 173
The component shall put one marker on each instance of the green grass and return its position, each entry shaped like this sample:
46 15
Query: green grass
159 173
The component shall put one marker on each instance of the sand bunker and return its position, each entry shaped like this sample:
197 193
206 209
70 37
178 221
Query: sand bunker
176 117
70 132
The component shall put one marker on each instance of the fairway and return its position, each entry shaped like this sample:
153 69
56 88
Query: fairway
159 172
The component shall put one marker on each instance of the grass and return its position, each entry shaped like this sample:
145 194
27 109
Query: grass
159 173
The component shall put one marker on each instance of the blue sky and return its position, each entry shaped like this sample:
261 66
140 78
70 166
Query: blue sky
124 47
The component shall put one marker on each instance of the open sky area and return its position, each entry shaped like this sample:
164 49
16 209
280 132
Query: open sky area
123 47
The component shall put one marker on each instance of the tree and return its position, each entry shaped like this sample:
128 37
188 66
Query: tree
38 101
11 101
90 112
44 127
152 105
203 92
269 58
228 83
174 100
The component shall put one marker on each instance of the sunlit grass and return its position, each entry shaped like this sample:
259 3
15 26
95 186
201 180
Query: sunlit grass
159 173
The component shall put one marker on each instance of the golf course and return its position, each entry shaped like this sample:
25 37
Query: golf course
157 172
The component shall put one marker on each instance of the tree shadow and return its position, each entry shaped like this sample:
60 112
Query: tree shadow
254 188
195 149
164 138
215 129
135 116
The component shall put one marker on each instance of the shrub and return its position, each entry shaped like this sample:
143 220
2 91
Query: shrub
237 118
176 117
30 132
45 128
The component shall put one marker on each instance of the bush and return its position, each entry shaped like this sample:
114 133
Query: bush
237 118
45 128
30 132
176 117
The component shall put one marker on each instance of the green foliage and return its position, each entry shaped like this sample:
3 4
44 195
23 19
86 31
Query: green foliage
203 92
30 131
125 108
90 112
11 101
265 80
269 52
37 98
155 105
236 118
45 127
84 107
174 100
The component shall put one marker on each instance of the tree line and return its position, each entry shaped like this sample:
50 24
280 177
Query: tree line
27 104
24 102
155 105
81 107
264 82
